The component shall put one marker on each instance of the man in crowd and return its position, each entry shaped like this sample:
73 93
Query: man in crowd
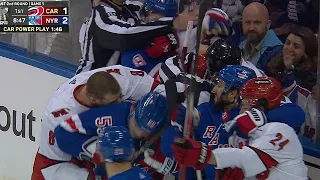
261 44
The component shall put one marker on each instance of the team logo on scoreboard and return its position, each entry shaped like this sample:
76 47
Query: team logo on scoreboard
35 20
36 11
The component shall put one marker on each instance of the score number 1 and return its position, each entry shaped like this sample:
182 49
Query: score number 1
65 10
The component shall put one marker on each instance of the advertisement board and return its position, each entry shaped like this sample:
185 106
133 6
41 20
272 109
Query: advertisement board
24 92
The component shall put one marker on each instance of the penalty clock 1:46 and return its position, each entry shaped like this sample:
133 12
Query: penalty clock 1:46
37 16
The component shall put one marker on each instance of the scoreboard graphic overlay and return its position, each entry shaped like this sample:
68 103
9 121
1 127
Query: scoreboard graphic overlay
34 16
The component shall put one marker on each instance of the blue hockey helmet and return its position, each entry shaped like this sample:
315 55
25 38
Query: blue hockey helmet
167 8
116 144
151 112
235 76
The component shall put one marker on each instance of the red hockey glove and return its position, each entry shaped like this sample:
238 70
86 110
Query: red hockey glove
163 46
229 174
191 153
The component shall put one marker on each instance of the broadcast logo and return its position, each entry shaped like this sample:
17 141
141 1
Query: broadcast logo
3 16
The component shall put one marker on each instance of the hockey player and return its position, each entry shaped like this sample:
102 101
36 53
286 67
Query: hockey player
114 23
77 135
117 147
149 58
307 101
266 93
86 90
213 115
216 50
273 152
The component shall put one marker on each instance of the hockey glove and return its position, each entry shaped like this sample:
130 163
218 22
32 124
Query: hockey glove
246 123
229 174
161 164
216 22
162 46
191 153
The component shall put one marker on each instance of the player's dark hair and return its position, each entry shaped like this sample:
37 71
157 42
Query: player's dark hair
102 83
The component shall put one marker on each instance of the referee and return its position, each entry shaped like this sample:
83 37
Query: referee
114 26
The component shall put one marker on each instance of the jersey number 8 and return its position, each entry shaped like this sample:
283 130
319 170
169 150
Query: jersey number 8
52 138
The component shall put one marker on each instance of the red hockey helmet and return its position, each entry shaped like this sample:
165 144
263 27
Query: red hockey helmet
263 88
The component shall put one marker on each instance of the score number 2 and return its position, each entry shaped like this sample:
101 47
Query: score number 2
278 141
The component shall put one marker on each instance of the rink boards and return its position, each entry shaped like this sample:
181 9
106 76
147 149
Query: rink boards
27 83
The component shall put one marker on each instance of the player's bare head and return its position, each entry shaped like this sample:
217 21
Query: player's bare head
255 22
102 88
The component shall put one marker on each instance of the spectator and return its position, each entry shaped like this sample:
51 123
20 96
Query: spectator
260 44
297 12
233 8
298 61
115 26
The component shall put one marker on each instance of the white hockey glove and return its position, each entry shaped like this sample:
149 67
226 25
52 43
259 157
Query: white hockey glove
246 123
163 165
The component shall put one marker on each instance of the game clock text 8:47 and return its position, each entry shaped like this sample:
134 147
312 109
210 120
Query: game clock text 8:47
19 20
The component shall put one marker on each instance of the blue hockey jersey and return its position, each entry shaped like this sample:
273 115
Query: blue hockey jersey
138 59
288 113
211 123
211 130
78 134
135 173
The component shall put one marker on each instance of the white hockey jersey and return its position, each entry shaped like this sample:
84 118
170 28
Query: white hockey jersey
308 104
274 152
63 104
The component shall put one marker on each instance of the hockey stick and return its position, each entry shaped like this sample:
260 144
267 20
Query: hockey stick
185 45
204 5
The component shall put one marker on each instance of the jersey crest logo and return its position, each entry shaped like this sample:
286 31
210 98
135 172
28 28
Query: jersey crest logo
138 60
225 116
209 134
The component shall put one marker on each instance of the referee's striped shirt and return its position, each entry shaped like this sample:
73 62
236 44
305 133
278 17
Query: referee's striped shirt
110 31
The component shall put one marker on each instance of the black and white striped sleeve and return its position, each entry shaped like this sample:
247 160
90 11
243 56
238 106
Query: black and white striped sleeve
114 33
170 68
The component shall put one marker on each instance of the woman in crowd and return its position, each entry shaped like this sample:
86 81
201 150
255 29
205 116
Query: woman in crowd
298 61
